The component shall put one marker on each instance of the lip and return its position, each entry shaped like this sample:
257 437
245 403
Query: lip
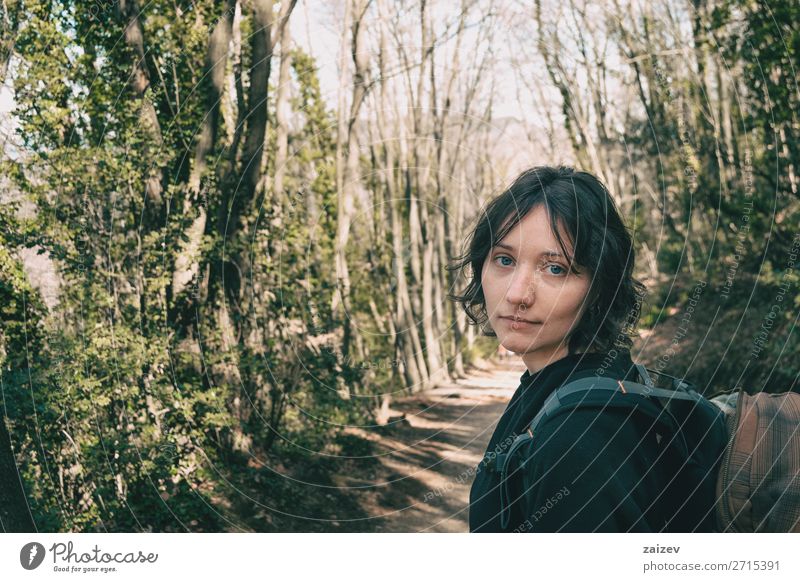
520 321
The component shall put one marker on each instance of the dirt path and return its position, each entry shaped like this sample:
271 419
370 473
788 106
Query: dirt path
427 460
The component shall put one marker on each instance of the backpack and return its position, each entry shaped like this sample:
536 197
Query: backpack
739 453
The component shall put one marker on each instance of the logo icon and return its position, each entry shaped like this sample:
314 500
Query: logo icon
31 555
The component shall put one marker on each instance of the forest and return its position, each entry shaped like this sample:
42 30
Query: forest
226 227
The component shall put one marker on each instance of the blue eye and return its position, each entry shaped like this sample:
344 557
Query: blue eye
504 257
558 267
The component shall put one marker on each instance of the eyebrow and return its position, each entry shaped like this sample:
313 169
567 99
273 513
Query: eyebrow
548 252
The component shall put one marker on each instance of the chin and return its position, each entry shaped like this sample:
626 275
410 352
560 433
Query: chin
518 346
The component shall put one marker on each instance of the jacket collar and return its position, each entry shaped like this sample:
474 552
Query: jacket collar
617 360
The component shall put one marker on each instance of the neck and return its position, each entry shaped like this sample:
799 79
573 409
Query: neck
535 361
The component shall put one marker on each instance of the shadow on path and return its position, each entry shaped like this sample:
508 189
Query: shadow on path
428 458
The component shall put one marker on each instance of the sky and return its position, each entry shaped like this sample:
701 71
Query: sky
316 26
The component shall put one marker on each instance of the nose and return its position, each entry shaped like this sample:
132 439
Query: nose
522 289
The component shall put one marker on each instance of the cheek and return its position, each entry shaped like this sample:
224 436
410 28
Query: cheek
488 287
489 298
569 300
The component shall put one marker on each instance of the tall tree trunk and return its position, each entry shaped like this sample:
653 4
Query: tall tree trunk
187 262
347 161
282 113
15 516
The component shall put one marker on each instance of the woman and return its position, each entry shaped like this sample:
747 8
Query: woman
555 286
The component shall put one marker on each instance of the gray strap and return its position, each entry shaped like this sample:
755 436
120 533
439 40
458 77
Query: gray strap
611 384
644 375
505 503
554 401
608 384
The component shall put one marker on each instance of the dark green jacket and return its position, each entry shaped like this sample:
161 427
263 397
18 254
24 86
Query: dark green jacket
585 471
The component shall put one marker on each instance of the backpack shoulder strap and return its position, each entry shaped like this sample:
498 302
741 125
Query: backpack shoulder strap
599 391
596 392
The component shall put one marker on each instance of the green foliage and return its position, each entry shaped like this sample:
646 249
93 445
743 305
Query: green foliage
133 400
127 401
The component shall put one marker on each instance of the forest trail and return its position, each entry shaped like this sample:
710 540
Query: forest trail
427 460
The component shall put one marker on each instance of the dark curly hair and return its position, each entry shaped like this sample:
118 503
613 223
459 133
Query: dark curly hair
602 245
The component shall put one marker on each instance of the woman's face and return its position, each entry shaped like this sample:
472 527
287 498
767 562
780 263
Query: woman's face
526 277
